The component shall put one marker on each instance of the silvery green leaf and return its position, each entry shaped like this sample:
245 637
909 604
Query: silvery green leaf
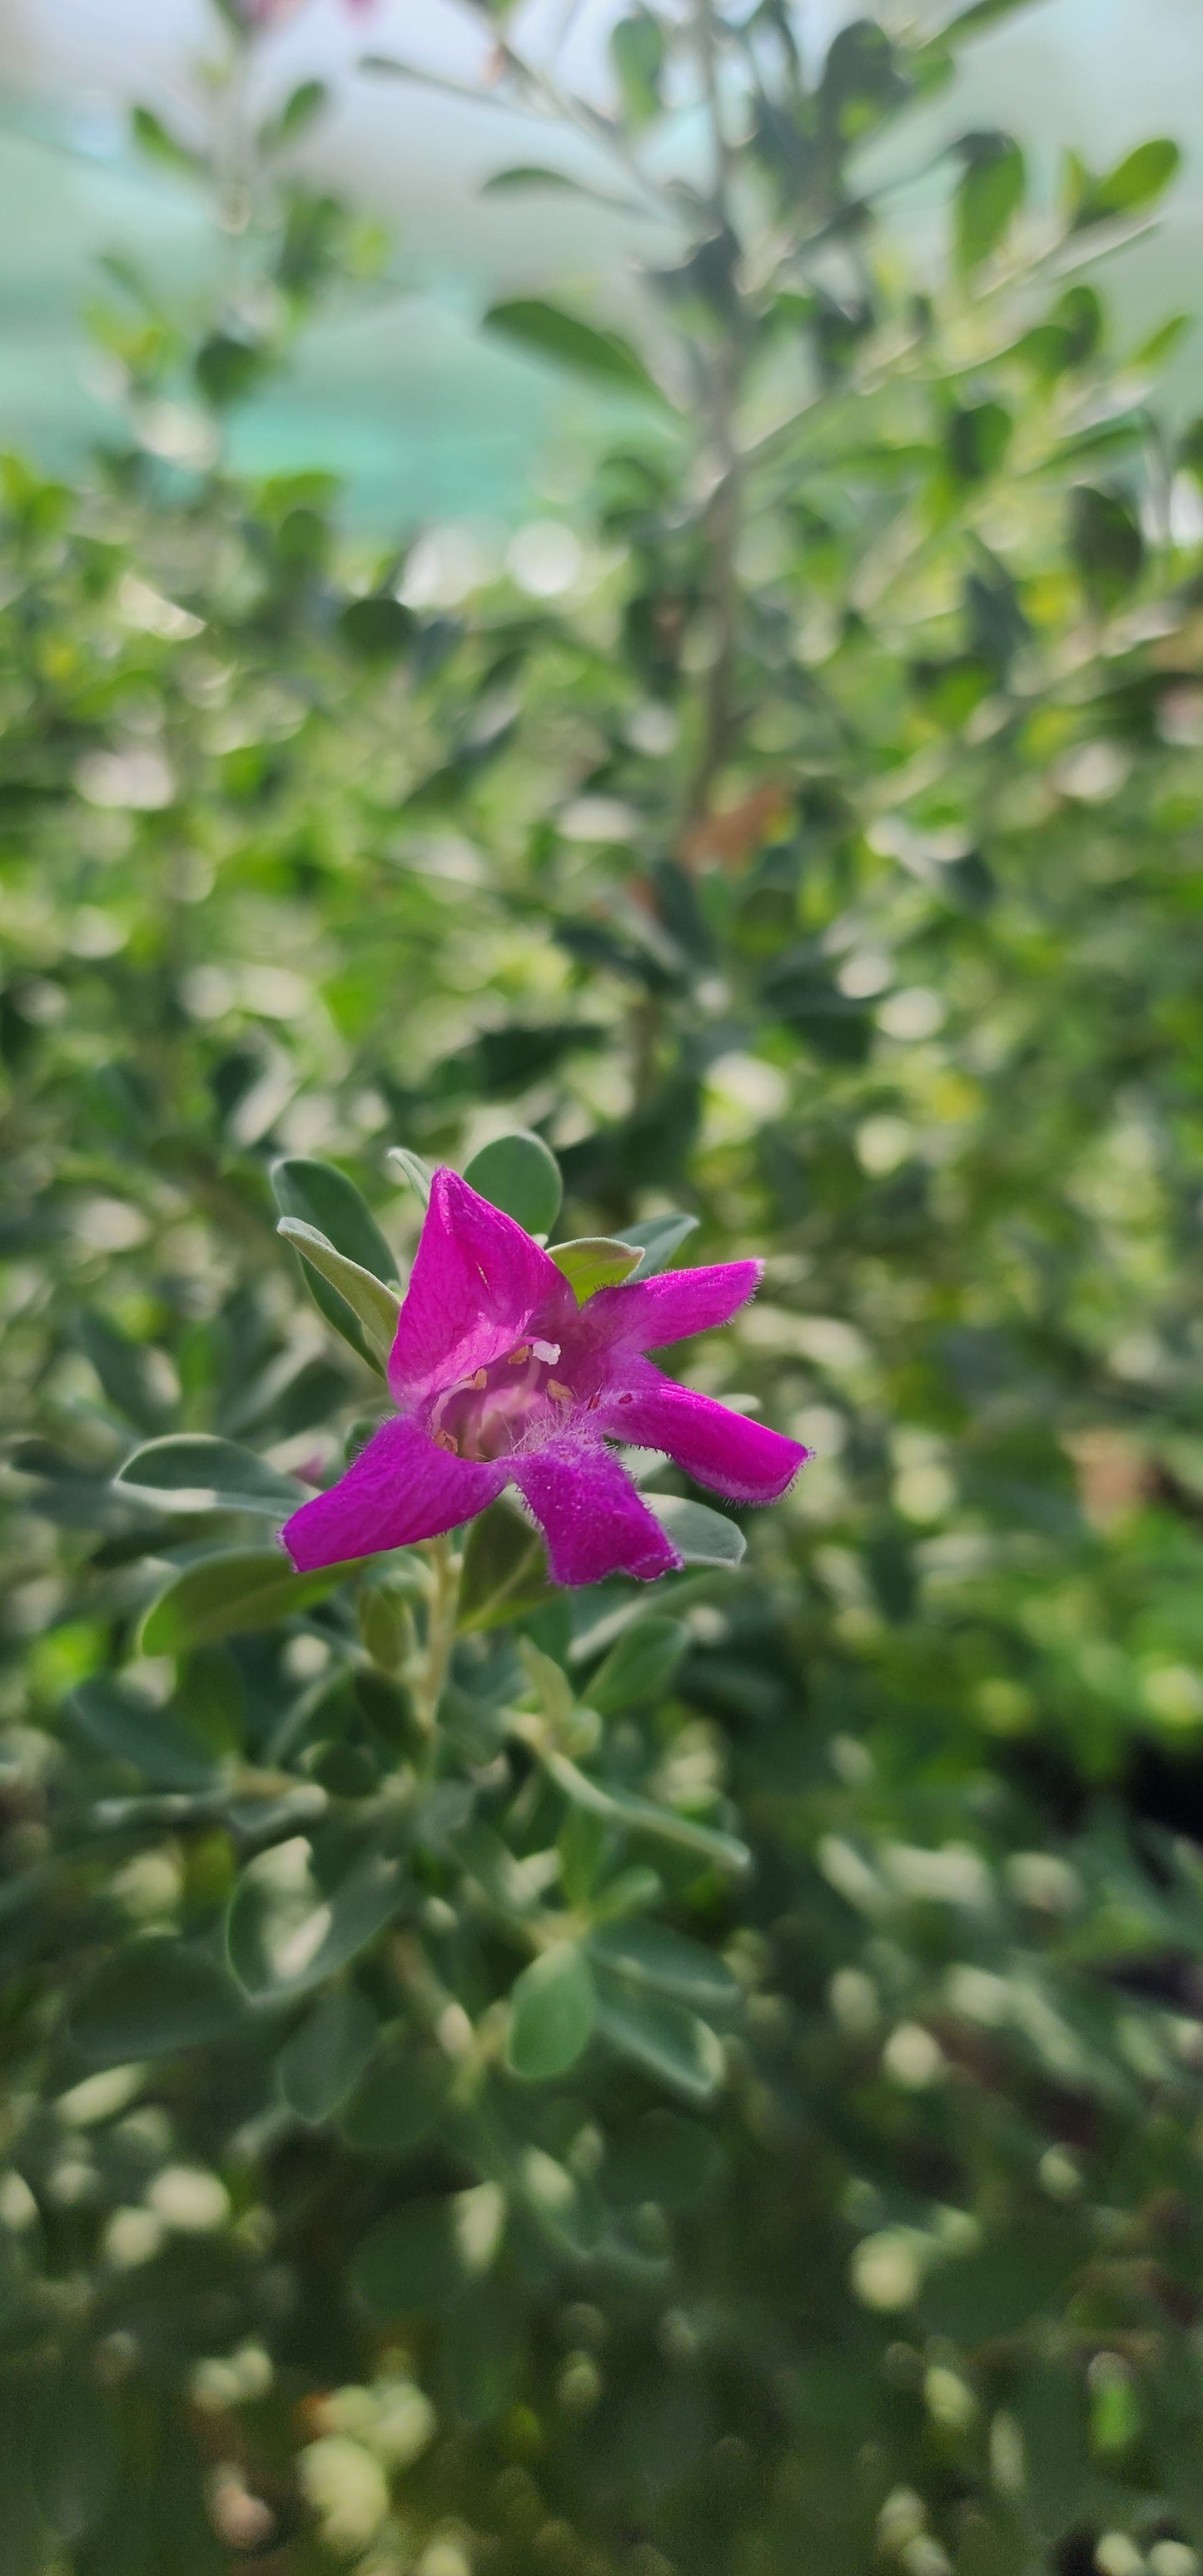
374 1306
193 1472
620 1807
285 1934
519 1174
594 1261
413 1169
703 1536
229 1595
660 1237
551 2013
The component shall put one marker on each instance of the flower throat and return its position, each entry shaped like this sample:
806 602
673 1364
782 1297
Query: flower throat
490 1414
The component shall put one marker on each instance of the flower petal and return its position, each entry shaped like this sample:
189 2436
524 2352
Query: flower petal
593 1519
479 1284
647 1313
402 1487
722 1450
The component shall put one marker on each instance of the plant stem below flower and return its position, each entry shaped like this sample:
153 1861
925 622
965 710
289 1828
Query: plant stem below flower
446 1567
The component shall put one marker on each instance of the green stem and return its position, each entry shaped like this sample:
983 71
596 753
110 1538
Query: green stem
446 1568
234 155
724 510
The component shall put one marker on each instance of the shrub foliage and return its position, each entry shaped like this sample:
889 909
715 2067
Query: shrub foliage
703 2079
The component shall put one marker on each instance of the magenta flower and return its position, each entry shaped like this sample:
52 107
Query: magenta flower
501 1378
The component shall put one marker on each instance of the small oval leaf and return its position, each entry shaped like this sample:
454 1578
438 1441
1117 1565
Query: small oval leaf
123 1726
528 175
414 1169
152 1999
619 1807
396 2103
323 1197
378 628
230 1595
651 1955
544 331
196 1473
701 1536
520 1175
327 2054
505 1569
662 2035
374 1306
594 1261
990 193
286 1934
639 1666
1134 182
551 2013
660 1237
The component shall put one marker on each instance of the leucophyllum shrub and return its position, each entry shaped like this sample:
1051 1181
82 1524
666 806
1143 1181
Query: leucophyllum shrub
614 2076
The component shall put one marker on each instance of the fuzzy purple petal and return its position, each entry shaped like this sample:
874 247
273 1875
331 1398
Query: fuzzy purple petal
591 1515
647 1313
479 1285
401 1487
723 1450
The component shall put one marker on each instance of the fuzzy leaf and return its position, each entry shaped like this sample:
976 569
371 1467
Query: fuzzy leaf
521 180
989 195
595 1261
505 1569
1134 182
639 1666
230 1595
648 1954
192 1472
551 2014
425 2255
637 50
520 1175
301 110
636 1815
160 144
660 1237
374 1306
324 1198
396 2103
413 1169
286 1934
663 2036
544 331
702 1536
151 1999
125 1727
327 2054
377 628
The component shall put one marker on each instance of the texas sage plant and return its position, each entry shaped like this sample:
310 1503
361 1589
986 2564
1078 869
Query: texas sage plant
617 2076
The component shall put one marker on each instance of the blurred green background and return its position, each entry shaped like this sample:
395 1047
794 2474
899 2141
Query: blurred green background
405 401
